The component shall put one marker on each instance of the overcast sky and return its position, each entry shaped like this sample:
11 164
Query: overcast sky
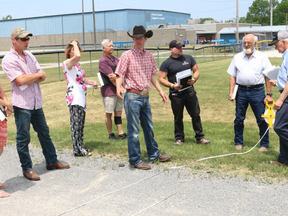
217 9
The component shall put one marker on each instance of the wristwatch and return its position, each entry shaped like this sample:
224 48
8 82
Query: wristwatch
270 94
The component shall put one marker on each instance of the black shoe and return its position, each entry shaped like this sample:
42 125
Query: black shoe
122 136
112 136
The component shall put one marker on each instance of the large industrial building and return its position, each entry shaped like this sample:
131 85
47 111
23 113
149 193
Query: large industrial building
60 29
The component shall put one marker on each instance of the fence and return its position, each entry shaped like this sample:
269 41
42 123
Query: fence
51 60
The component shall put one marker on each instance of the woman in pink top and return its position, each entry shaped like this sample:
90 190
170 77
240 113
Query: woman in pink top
76 95
3 131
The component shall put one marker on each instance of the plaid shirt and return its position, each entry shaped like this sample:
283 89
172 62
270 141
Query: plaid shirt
14 65
137 67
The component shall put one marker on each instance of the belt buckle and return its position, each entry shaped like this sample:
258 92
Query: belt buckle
144 93
248 86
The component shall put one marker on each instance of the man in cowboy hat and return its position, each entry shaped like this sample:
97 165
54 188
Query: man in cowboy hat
138 68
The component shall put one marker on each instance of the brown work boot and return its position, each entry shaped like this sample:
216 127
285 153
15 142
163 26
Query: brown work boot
31 175
263 149
57 165
143 166
276 163
203 141
164 158
238 147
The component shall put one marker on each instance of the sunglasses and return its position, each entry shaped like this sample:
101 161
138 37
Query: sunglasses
23 39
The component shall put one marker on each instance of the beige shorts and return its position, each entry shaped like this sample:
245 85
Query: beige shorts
112 104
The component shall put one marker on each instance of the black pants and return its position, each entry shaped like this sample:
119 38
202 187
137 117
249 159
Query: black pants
190 101
77 121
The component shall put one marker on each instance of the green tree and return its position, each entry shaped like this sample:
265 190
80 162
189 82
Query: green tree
242 20
202 20
279 13
7 17
233 20
259 12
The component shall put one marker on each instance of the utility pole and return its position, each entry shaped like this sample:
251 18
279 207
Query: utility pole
94 25
286 21
271 12
83 22
237 21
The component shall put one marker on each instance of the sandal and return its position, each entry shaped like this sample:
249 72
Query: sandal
83 155
2 186
4 194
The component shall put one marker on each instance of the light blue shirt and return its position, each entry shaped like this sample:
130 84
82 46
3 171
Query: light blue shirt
282 77
249 71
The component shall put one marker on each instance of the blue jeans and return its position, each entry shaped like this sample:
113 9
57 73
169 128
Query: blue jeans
23 118
138 108
281 128
255 97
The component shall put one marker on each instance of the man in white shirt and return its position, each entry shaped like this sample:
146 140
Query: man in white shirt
246 71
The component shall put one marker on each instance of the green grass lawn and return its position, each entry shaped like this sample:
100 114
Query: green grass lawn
217 114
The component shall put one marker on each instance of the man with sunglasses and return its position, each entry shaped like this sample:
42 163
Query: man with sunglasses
280 41
246 71
25 74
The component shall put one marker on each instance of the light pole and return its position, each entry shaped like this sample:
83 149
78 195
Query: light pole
83 23
237 21
271 12
94 25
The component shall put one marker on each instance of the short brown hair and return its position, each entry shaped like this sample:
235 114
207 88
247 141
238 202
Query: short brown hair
69 48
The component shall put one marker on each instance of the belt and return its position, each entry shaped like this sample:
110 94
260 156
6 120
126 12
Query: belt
143 93
281 91
133 91
250 86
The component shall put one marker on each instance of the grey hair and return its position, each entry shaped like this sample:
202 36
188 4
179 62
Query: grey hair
255 38
105 41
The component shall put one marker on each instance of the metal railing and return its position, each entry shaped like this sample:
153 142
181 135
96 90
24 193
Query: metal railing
201 54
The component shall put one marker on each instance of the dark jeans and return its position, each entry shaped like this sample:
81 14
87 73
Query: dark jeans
281 128
190 101
255 97
23 118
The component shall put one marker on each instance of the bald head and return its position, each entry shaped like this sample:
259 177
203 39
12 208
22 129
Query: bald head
251 37
249 43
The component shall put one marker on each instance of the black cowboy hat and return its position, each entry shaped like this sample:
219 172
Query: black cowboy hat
139 31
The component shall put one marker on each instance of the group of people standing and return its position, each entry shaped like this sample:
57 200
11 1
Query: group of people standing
138 69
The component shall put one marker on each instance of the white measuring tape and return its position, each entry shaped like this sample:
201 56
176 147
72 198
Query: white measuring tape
269 116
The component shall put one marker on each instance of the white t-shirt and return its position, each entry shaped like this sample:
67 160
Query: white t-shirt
76 88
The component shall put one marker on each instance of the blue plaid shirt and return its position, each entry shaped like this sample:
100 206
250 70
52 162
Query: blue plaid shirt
283 72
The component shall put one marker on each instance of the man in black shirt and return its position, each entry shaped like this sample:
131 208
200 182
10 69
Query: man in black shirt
179 62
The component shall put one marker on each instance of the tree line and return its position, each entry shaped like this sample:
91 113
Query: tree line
259 13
